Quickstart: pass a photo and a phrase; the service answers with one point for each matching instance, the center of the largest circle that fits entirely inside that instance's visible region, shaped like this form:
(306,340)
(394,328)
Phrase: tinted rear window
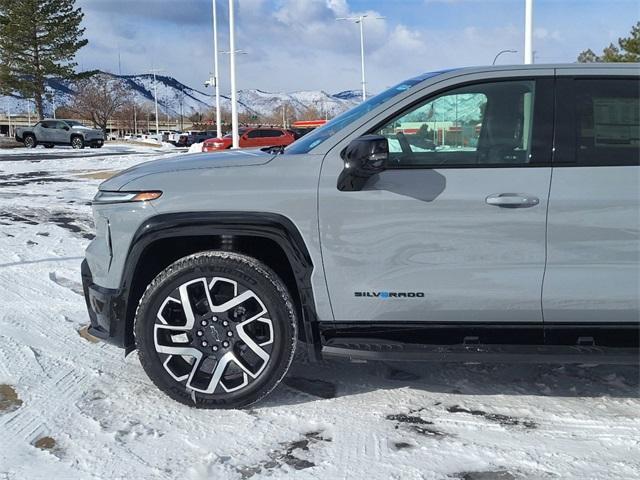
(607,121)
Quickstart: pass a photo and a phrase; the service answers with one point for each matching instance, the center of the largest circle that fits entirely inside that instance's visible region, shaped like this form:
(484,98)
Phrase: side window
(607,125)
(254,134)
(483,124)
(273,133)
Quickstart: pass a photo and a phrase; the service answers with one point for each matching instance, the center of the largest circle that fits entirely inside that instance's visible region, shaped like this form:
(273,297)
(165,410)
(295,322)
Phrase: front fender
(274,227)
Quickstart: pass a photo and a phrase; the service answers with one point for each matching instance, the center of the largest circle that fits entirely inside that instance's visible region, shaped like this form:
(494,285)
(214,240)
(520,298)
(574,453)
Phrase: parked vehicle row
(50,132)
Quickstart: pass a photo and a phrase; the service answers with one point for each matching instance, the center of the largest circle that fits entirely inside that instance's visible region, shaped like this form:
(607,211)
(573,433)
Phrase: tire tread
(204,259)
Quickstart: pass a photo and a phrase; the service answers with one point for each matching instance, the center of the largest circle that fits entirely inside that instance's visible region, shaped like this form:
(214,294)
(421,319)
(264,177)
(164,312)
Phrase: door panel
(59,134)
(43,132)
(594,237)
(252,138)
(426,243)
(431,232)
(593,264)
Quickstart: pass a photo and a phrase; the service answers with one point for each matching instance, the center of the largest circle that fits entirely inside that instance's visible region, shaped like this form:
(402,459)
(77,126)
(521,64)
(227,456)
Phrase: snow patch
(196,148)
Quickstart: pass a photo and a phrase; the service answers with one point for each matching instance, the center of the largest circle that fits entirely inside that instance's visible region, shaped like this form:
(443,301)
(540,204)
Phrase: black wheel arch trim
(275,227)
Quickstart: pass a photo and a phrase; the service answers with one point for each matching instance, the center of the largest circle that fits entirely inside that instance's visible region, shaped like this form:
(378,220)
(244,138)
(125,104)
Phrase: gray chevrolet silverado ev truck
(477,214)
(60,132)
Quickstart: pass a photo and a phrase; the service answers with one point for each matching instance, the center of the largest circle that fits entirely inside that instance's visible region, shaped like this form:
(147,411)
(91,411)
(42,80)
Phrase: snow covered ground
(74,409)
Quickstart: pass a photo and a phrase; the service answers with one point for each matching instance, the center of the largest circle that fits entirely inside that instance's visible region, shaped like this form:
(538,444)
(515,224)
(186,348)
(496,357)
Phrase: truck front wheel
(216,330)
(30,141)
(77,143)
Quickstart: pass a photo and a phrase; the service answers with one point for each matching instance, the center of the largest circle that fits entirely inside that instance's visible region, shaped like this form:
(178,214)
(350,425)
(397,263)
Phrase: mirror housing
(363,157)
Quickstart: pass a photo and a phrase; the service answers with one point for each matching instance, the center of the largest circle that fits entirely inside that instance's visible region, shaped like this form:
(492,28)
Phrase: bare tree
(131,116)
(311,113)
(99,98)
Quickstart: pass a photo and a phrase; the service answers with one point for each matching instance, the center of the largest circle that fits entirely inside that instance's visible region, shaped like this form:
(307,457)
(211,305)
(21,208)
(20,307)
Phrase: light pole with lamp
(528,31)
(215,77)
(232,74)
(155,96)
(360,20)
(500,53)
(9,118)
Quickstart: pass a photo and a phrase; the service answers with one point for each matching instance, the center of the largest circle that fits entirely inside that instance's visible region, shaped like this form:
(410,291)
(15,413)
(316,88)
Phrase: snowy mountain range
(172,95)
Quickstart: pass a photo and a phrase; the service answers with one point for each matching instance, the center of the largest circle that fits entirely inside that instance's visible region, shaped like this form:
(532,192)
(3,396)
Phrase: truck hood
(197,161)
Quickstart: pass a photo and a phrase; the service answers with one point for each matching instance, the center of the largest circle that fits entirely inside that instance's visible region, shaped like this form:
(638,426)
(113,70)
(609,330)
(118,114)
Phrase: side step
(371,350)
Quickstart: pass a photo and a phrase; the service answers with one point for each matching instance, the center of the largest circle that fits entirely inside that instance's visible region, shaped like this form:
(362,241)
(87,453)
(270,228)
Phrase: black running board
(390,351)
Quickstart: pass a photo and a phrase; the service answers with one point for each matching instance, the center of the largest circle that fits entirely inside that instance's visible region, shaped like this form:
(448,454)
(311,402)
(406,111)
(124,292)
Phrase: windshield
(315,138)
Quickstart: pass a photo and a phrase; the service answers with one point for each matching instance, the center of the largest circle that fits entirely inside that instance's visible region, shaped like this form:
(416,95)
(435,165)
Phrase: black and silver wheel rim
(76,143)
(29,142)
(213,335)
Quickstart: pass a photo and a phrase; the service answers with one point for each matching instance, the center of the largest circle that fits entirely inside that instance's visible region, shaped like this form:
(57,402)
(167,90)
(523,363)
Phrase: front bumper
(107,310)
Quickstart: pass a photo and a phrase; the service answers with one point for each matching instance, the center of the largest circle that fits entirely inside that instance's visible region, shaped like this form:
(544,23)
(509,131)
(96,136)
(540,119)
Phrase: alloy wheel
(213,335)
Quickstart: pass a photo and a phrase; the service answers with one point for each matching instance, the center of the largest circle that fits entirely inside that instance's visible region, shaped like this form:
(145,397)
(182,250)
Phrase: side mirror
(66,128)
(363,158)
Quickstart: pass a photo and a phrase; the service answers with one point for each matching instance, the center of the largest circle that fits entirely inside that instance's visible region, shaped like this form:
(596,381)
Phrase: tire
(77,143)
(30,141)
(229,358)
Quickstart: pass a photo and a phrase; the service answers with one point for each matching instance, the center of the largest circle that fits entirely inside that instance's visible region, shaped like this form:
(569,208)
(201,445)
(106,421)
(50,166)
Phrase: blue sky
(298,45)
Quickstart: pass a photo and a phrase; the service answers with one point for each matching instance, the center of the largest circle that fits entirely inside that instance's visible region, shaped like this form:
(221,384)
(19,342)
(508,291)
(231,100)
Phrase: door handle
(512,200)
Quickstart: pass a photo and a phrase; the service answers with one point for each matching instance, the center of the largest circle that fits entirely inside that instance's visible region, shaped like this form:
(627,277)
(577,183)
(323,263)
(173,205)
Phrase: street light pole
(528,32)
(181,109)
(364,80)
(360,20)
(215,70)
(232,68)
(9,118)
(500,53)
(155,97)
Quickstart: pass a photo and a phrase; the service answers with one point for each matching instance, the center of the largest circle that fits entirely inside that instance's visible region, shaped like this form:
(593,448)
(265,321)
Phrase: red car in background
(252,137)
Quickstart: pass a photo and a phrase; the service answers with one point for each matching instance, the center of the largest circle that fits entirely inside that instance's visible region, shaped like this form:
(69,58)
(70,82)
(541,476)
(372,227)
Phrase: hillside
(172,93)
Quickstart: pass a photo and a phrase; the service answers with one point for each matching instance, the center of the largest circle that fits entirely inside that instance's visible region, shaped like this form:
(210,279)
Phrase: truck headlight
(123,197)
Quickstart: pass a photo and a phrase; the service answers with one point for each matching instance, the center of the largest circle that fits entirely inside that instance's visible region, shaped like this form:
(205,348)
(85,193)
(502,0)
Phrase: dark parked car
(187,140)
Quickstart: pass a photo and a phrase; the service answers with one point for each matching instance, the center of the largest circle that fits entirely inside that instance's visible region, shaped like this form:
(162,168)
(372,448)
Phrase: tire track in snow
(27,423)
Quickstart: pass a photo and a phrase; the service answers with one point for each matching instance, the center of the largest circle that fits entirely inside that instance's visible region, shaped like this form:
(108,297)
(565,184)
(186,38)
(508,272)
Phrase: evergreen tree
(627,50)
(38,41)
